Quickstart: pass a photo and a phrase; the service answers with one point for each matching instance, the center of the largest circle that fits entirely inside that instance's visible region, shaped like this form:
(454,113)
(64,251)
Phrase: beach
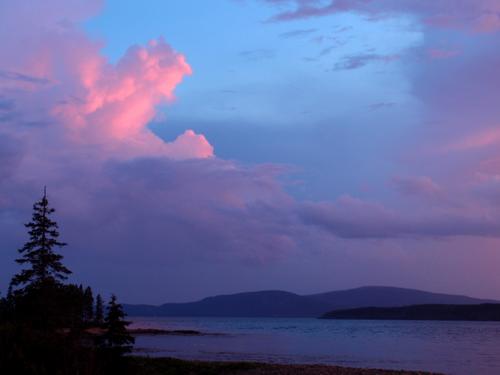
(167,366)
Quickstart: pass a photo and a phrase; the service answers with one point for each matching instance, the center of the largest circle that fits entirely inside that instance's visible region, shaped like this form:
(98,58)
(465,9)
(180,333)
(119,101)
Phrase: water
(462,348)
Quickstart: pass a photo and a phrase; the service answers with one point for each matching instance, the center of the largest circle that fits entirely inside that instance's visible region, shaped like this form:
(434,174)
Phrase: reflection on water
(468,348)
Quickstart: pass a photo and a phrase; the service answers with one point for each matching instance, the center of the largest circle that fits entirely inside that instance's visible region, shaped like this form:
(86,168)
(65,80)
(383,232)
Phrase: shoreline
(166,332)
(167,365)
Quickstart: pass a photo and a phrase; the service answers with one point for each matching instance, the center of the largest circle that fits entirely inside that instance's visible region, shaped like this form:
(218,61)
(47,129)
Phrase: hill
(252,304)
(380,296)
(285,304)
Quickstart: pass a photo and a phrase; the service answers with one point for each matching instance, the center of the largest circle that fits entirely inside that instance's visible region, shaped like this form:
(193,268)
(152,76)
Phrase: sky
(198,148)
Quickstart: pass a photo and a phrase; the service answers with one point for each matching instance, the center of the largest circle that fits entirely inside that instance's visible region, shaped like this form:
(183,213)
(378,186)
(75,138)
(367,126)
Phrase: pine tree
(88,305)
(8,301)
(3,308)
(99,310)
(117,339)
(9,292)
(45,266)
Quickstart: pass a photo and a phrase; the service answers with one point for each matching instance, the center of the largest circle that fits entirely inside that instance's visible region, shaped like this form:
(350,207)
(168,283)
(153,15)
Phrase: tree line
(50,326)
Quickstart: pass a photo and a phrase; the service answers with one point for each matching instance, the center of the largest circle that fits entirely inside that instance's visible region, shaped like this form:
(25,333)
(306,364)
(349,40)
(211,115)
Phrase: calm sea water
(464,348)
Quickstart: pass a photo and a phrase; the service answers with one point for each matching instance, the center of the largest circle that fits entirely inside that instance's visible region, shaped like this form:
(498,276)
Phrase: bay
(461,348)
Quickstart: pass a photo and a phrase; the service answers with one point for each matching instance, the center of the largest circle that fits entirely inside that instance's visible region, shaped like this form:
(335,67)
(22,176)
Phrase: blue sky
(269,92)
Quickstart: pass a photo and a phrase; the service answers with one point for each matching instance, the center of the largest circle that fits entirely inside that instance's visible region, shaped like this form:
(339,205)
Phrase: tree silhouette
(88,305)
(99,310)
(116,338)
(44,321)
(45,265)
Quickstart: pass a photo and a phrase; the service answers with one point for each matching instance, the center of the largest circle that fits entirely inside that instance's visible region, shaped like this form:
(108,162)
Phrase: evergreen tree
(99,311)
(116,338)
(3,308)
(45,266)
(88,305)
(9,292)
(8,305)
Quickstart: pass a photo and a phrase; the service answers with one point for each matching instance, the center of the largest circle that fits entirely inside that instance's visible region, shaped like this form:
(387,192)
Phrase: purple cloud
(354,218)
(473,15)
(420,186)
(359,61)
(297,33)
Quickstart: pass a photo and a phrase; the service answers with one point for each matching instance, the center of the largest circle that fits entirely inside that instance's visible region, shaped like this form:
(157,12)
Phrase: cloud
(14,76)
(477,140)
(481,16)
(190,145)
(360,61)
(200,208)
(351,218)
(129,200)
(420,186)
(84,132)
(326,51)
(85,101)
(297,33)
(73,121)
(10,158)
(117,103)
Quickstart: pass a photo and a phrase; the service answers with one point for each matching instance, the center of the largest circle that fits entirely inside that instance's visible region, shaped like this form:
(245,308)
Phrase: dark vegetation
(482,312)
(49,326)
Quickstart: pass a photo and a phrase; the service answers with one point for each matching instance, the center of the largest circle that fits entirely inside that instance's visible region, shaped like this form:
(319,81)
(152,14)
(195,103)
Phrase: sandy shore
(164,366)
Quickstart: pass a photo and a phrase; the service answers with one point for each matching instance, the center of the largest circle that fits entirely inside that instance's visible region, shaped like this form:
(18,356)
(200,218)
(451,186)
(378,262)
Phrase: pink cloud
(79,124)
(84,100)
(488,22)
(190,145)
(477,140)
(120,101)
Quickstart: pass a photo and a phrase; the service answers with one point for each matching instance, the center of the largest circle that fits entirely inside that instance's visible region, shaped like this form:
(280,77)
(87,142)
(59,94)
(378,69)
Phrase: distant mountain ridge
(286,304)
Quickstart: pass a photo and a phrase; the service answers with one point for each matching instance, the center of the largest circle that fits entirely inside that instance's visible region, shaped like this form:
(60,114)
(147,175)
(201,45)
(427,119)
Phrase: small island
(480,313)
